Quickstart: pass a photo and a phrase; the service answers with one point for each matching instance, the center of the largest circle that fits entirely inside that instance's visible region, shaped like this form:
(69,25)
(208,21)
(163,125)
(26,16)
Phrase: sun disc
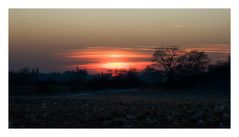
(116,65)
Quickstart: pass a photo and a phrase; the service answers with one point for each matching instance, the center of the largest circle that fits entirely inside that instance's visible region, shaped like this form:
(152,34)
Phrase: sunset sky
(100,39)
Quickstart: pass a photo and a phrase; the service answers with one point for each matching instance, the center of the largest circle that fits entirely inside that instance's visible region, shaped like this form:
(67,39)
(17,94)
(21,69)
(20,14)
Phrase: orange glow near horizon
(57,40)
(104,54)
(97,60)
(116,65)
(115,55)
(100,60)
(104,66)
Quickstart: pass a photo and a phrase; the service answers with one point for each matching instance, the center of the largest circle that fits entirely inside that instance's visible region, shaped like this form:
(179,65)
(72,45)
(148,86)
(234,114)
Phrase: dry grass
(118,112)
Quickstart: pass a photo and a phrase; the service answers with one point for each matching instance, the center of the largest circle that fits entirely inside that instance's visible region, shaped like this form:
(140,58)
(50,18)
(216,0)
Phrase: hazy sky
(42,38)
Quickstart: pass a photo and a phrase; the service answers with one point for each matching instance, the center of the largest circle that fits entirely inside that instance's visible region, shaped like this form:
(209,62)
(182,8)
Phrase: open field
(121,109)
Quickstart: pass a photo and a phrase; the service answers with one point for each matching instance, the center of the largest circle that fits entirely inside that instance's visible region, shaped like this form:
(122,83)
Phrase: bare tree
(193,63)
(173,61)
(167,59)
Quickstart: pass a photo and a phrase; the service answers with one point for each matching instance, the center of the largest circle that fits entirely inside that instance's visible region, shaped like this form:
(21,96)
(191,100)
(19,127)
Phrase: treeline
(124,78)
(173,68)
(80,78)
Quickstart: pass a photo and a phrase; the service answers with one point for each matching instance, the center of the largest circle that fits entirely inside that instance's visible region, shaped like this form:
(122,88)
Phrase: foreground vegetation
(121,110)
(180,90)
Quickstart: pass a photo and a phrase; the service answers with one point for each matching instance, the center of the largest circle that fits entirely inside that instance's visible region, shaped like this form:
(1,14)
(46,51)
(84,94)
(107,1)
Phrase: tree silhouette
(177,63)
(192,63)
(167,59)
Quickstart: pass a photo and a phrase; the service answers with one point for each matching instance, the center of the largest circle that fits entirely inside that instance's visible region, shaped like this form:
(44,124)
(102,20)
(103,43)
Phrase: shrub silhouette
(173,68)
